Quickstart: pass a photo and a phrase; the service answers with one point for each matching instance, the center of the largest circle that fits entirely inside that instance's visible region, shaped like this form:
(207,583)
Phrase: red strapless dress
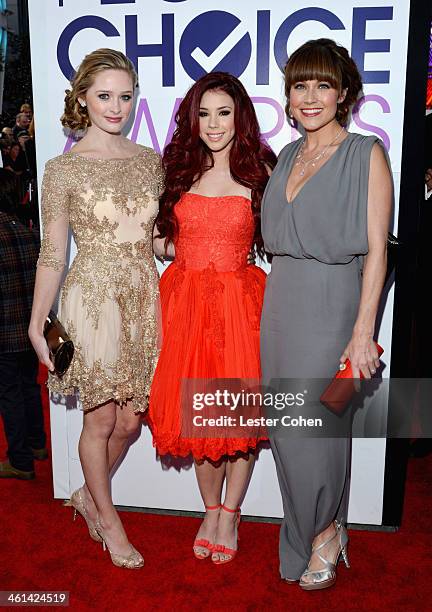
(211,303)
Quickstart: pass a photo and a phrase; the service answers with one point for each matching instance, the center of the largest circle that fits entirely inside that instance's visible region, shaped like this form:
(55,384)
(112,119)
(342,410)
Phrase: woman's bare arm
(159,247)
(361,349)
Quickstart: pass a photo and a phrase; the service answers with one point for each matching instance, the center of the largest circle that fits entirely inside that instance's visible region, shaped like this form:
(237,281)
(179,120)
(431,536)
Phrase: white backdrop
(173,42)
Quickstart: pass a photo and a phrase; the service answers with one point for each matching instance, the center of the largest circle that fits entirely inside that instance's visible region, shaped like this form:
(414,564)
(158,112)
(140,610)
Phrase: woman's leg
(312,474)
(210,477)
(238,473)
(331,550)
(126,424)
(98,426)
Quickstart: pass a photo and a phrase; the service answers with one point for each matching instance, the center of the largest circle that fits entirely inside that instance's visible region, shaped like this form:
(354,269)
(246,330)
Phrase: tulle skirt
(211,325)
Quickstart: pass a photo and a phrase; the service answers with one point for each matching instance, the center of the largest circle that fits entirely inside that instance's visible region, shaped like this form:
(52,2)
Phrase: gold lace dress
(109,300)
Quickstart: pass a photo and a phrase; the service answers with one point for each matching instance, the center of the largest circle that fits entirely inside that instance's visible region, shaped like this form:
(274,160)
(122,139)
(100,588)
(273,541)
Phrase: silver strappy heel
(326,577)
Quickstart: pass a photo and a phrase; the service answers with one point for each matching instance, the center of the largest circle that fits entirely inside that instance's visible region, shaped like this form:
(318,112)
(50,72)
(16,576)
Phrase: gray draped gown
(310,307)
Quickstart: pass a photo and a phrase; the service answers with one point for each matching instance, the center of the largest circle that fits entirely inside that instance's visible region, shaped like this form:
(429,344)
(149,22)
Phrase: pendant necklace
(305,163)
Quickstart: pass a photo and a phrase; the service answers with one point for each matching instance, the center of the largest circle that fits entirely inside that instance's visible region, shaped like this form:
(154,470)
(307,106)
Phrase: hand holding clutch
(60,345)
(339,392)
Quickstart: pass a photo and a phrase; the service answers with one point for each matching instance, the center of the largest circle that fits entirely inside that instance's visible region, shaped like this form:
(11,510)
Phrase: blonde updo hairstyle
(324,60)
(75,116)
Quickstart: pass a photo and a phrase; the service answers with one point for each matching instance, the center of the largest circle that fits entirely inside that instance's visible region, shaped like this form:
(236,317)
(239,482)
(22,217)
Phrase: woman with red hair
(216,169)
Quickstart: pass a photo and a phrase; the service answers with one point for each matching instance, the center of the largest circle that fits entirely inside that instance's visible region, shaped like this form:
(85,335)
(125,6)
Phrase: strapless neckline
(224,197)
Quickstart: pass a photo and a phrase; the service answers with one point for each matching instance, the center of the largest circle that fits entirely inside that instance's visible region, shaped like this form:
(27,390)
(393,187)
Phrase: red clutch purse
(338,394)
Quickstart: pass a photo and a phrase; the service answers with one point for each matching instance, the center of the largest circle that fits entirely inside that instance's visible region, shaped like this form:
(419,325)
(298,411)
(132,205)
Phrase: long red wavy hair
(186,158)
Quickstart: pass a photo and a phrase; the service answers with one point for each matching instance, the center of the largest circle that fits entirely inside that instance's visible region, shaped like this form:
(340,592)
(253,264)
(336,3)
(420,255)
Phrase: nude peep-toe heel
(132,561)
(78,504)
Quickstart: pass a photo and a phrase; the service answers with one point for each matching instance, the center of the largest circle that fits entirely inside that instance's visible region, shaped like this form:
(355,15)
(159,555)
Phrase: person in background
(8,134)
(20,399)
(6,140)
(32,133)
(4,149)
(22,137)
(22,124)
(27,142)
(15,160)
(32,191)
(27,110)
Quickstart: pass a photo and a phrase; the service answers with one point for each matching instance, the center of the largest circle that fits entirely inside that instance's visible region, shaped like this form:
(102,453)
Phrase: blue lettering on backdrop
(213,41)
(263,48)
(307,14)
(361,45)
(75,26)
(165,49)
(217,40)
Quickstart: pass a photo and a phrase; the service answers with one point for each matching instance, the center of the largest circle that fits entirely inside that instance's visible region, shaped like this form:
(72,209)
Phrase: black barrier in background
(403,355)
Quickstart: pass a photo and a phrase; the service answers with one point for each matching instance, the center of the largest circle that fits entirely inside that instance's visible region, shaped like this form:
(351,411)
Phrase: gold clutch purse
(60,345)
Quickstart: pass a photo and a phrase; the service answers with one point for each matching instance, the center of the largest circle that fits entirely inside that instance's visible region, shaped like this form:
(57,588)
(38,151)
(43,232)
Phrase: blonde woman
(106,189)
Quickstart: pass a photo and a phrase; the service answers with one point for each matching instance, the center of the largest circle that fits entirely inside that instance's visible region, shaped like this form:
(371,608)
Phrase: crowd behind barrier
(18,156)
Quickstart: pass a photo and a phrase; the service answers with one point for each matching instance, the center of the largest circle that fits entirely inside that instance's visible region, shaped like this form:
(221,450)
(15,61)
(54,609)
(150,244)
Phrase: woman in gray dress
(325,217)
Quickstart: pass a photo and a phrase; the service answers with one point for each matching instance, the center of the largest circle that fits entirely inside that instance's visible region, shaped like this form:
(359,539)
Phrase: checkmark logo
(216,40)
(209,61)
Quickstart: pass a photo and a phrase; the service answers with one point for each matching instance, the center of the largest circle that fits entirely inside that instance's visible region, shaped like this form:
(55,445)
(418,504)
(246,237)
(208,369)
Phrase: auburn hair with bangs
(324,60)
(186,158)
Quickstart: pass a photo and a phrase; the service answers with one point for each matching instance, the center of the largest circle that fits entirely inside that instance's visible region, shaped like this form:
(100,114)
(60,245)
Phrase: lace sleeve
(55,217)
(160,176)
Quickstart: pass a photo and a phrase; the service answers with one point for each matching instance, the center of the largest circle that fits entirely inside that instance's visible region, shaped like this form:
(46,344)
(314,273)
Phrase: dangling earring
(290,115)
(83,104)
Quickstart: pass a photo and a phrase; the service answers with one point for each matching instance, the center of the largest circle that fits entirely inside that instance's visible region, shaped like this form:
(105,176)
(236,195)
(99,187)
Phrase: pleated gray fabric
(310,306)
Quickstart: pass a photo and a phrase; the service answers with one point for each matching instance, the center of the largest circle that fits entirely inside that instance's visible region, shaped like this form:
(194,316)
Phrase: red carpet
(42,549)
